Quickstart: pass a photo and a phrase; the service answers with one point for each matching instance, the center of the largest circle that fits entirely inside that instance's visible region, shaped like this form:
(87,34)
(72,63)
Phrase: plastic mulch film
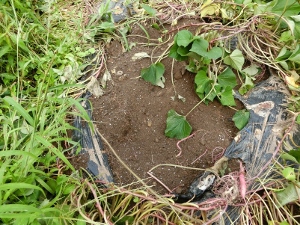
(257,144)
(89,140)
(91,145)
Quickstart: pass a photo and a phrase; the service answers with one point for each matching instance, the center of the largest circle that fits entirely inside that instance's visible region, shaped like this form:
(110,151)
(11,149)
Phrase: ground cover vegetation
(43,50)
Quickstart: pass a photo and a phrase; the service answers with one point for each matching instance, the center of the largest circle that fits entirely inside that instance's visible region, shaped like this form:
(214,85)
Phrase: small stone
(149,123)
(202,141)
(121,78)
(177,75)
(156,140)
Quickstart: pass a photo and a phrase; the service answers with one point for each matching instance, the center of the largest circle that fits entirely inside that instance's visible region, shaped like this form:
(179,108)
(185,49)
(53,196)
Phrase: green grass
(43,45)
(37,44)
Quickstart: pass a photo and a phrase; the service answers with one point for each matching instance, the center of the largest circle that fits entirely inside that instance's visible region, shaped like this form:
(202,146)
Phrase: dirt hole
(132,117)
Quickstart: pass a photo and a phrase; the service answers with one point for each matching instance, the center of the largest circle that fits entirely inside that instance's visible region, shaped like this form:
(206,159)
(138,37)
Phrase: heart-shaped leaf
(227,78)
(184,38)
(226,97)
(289,173)
(289,194)
(200,46)
(248,85)
(154,74)
(251,70)
(174,53)
(177,126)
(235,59)
(203,83)
(241,118)
(214,53)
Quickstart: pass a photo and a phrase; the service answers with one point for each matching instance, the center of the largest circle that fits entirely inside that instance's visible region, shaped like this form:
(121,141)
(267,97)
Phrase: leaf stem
(163,54)
(172,77)
(201,100)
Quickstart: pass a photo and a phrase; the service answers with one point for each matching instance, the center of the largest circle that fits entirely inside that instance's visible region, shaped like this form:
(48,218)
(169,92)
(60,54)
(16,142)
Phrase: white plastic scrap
(94,87)
(106,77)
(140,55)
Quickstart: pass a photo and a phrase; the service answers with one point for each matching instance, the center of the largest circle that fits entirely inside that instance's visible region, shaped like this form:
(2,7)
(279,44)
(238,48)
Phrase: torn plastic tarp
(119,9)
(91,144)
(257,143)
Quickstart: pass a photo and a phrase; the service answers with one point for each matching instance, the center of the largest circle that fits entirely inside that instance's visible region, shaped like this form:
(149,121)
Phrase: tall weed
(41,59)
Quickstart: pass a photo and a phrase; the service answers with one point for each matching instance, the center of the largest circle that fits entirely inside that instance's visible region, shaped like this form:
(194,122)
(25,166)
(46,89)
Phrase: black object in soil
(91,145)
(257,143)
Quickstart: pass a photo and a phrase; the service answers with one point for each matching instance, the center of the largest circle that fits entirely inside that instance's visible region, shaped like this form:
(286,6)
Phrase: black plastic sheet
(91,145)
(257,144)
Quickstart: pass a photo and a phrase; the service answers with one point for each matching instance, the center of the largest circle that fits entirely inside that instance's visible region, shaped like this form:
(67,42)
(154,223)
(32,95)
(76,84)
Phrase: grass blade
(53,149)
(19,109)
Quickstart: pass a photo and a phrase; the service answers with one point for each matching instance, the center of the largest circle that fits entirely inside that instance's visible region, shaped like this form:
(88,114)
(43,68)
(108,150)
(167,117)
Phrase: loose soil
(132,114)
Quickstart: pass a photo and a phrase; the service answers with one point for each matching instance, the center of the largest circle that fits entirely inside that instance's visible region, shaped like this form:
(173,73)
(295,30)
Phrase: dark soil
(132,114)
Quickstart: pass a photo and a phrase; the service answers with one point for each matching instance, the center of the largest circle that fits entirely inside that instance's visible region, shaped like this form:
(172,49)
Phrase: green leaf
(107,27)
(17,208)
(203,83)
(289,173)
(19,109)
(200,46)
(283,54)
(289,194)
(284,223)
(68,189)
(3,50)
(149,9)
(298,119)
(227,78)
(211,94)
(235,59)
(154,74)
(226,97)
(155,26)
(53,149)
(214,53)
(295,57)
(286,36)
(251,70)
(293,155)
(284,65)
(174,54)
(19,186)
(177,126)
(184,38)
(241,118)
(136,199)
(285,7)
(18,41)
(248,85)
(183,51)
(287,156)
(192,67)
